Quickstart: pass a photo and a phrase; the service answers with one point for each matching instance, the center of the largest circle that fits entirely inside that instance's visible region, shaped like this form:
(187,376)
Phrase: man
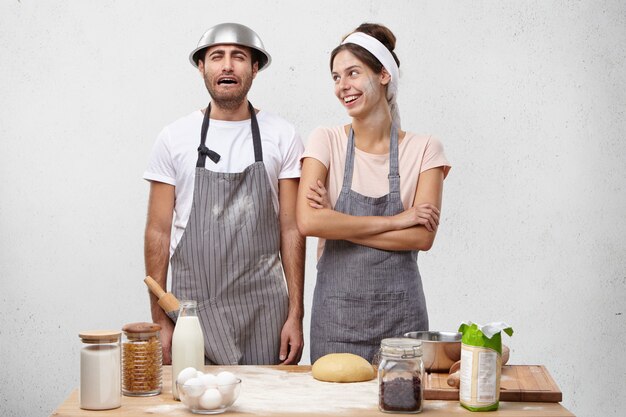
(233,212)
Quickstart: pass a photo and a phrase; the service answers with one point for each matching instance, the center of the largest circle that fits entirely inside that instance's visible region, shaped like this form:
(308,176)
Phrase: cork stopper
(141,327)
(100,336)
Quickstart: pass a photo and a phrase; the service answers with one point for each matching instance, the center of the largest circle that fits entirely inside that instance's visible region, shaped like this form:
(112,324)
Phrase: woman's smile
(350,100)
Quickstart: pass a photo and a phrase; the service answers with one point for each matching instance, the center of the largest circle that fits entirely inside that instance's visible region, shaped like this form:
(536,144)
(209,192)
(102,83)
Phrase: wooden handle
(169,303)
(454,379)
(455,367)
(154,287)
(506,353)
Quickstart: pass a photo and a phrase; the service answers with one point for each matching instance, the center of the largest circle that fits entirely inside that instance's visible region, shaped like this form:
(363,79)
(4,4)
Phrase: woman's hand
(424,214)
(318,196)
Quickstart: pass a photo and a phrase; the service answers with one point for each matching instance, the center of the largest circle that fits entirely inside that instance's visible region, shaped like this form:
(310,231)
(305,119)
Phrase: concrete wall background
(528,97)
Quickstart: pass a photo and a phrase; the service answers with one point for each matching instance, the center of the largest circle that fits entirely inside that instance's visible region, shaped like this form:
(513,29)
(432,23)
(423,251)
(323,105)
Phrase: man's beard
(232,99)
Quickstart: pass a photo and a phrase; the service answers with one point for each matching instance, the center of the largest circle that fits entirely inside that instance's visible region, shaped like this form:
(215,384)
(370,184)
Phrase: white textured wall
(528,98)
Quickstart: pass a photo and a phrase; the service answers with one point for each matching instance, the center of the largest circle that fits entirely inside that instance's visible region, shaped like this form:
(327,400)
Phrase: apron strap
(256,135)
(394,162)
(394,165)
(349,167)
(203,151)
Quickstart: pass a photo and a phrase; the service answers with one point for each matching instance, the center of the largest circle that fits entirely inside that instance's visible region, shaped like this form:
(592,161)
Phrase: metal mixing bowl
(439,349)
(231,33)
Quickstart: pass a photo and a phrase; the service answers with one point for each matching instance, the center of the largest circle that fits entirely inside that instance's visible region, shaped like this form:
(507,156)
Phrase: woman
(372,194)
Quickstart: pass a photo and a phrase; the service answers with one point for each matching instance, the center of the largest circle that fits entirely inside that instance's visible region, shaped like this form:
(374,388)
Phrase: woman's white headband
(380,52)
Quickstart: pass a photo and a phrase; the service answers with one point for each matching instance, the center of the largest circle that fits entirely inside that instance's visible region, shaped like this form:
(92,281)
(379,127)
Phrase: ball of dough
(342,367)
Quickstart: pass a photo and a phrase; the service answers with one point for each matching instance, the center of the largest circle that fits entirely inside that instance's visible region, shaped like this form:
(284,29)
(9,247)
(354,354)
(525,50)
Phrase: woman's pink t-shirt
(416,154)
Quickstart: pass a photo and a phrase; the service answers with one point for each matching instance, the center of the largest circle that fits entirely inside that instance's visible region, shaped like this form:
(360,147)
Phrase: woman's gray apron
(363,295)
(228,260)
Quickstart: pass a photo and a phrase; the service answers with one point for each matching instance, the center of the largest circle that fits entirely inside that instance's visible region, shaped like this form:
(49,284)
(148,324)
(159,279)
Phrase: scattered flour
(437,404)
(269,390)
(165,408)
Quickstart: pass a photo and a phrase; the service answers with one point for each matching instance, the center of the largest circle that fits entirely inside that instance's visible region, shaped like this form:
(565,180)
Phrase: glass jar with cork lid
(142,361)
(400,376)
(100,370)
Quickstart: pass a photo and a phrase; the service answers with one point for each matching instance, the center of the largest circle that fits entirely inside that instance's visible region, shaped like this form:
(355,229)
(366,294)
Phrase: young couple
(233,192)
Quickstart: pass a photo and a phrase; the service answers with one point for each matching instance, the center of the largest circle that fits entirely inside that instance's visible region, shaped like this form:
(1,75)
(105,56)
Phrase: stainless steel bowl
(439,349)
(233,34)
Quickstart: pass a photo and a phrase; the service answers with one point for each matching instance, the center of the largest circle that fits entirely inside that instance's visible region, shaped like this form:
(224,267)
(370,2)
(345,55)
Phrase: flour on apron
(362,294)
(228,260)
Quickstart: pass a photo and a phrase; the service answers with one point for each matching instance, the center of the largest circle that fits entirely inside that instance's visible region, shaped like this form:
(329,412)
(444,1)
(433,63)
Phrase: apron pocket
(365,317)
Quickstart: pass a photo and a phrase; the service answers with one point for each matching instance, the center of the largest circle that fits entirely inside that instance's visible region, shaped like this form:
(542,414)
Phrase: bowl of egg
(206,393)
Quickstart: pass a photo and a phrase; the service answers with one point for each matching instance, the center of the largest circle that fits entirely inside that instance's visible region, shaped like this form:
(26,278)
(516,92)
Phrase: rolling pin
(166,300)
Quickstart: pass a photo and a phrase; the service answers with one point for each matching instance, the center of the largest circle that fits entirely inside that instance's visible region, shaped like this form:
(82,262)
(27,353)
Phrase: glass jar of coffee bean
(400,376)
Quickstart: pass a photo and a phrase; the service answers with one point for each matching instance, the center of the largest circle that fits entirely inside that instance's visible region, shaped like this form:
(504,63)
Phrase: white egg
(211,399)
(193,387)
(186,374)
(228,396)
(226,384)
(226,378)
(191,402)
(209,380)
(226,390)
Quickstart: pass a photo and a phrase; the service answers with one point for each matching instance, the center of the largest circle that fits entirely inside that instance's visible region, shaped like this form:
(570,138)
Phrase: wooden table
(291,390)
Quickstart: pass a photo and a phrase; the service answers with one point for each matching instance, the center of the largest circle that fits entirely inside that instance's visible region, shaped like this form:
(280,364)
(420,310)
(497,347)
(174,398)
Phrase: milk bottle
(187,342)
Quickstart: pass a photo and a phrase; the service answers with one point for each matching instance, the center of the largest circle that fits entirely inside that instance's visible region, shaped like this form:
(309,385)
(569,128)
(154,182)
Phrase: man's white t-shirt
(175,153)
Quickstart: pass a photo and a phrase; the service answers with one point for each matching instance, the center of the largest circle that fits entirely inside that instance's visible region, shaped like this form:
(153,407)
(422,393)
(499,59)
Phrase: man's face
(228,73)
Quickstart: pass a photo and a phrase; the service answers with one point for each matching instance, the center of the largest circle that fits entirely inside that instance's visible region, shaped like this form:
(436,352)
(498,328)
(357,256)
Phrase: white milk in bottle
(187,342)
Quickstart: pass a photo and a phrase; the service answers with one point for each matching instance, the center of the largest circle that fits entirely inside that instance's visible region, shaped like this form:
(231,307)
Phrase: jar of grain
(100,370)
(141,360)
(400,376)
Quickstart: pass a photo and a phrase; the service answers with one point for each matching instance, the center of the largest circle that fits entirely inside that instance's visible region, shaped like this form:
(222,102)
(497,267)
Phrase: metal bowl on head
(439,349)
(235,34)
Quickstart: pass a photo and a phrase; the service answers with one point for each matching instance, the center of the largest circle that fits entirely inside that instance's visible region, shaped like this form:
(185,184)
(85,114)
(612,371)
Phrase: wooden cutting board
(527,383)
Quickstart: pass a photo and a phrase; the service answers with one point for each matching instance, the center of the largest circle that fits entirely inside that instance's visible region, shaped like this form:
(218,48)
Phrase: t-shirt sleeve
(291,167)
(160,165)
(318,146)
(434,156)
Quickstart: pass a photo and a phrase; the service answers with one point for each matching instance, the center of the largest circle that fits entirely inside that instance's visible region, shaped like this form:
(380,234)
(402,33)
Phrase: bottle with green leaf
(481,362)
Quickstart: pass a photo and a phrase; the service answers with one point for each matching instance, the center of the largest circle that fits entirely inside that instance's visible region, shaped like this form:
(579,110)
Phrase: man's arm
(292,252)
(157,253)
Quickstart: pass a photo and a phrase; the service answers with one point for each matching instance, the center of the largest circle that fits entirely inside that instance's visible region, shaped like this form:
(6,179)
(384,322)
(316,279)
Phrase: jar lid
(141,327)
(100,336)
(401,347)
